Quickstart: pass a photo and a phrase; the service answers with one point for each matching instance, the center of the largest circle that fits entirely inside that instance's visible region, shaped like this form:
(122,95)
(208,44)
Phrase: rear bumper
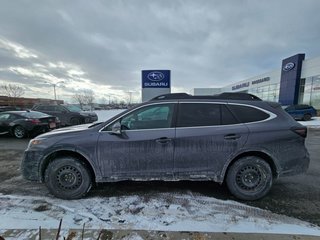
(91,119)
(296,166)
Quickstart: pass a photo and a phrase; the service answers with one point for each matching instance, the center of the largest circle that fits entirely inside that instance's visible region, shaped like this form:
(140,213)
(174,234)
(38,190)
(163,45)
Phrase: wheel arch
(259,154)
(66,153)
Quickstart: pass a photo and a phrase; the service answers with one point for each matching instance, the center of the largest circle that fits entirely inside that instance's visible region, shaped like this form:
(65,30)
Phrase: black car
(25,123)
(246,143)
(68,114)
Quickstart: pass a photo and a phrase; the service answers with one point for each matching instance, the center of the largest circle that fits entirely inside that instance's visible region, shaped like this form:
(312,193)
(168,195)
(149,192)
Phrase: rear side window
(204,114)
(302,107)
(247,114)
(41,108)
(33,114)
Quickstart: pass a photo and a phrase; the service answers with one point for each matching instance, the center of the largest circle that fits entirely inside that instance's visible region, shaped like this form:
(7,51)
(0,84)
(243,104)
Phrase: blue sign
(155,78)
(290,79)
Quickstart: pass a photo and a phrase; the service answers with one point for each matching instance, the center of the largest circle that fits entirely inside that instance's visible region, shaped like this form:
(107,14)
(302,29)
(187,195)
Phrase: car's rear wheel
(306,117)
(68,178)
(19,132)
(75,121)
(249,178)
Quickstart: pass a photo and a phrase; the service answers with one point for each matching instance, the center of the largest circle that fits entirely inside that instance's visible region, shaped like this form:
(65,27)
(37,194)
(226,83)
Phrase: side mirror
(116,129)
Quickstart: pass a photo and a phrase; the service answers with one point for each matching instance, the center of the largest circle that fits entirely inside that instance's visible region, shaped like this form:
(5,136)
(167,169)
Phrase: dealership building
(297,82)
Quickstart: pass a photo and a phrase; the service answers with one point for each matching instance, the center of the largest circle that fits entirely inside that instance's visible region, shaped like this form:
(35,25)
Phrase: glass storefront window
(309,92)
(267,93)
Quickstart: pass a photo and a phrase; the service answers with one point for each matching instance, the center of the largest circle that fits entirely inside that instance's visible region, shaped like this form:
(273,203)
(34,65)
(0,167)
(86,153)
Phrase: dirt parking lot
(297,196)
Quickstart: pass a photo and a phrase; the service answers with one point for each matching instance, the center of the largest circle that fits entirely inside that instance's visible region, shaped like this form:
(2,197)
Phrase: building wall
(206,91)
(267,85)
(309,92)
(26,102)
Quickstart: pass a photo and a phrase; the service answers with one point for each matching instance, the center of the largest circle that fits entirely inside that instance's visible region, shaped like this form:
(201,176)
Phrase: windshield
(73,108)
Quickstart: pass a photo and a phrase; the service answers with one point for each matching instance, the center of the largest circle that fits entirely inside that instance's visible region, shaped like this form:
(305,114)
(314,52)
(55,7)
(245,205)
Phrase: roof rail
(172,96)
(224,95)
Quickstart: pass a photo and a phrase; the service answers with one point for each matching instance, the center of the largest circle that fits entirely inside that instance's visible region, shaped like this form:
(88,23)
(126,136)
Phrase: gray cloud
(204,43)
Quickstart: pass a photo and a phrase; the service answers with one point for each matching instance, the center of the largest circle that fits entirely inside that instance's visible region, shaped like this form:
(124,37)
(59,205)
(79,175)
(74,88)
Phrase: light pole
(130,96)
(54,88)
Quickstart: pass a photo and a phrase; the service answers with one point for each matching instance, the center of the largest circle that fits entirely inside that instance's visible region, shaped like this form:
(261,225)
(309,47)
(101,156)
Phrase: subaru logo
(289,66)
(155,76)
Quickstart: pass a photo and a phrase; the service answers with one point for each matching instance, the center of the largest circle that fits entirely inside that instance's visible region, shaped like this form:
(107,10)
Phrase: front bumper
(30,165)
(90,119)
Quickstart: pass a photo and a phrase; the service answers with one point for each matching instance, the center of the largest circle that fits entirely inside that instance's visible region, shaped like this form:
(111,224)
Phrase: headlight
(34,142)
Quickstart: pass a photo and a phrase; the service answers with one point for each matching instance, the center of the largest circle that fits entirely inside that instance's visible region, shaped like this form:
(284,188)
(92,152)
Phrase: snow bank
(162,212)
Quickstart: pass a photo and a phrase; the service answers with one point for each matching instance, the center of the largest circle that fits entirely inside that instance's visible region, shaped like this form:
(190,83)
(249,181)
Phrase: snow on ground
(314,122)
(104,115)
(162,212)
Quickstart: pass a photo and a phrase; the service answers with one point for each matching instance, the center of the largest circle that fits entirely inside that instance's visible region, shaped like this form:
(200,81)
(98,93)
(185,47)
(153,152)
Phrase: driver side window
(148,117)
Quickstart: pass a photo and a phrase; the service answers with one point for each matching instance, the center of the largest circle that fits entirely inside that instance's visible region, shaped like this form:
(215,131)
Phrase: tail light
(301,131)
(33,120)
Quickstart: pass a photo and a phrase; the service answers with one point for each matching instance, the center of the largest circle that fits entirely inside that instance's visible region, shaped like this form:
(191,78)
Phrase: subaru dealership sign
(290,79)
(155,83)
(155,78)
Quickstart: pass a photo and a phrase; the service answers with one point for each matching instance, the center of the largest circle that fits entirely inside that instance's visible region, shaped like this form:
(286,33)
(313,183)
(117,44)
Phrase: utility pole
(130,96)
(54,90)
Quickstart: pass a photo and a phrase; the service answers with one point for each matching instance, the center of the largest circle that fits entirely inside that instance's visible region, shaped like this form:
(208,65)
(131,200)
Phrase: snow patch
(161,212)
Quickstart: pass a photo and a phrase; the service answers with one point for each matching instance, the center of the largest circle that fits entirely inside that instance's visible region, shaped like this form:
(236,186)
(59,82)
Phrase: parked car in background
(8,108)
(301,112)
(68,114)
(25,123)
(237,139)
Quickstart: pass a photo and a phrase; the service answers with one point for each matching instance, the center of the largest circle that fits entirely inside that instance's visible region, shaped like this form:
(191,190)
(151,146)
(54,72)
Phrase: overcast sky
(104,45)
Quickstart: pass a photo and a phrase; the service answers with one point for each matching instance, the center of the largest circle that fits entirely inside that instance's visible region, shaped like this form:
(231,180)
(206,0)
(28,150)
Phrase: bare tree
(89,97)
(12,91)
(85,97)
(79,98)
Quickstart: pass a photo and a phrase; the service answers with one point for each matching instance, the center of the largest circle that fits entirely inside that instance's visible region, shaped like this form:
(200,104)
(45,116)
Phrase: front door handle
(163,140)
(231,136)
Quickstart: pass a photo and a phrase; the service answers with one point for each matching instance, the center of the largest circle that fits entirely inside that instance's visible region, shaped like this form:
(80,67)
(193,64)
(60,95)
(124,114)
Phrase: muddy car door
(207,136)
(139,145)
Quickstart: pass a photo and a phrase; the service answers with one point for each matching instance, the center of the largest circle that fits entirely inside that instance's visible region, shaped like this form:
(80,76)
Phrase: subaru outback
(232,138)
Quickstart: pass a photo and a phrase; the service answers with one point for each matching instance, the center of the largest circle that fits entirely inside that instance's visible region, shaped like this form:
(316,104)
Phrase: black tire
(19,132)
(75,121)
(306,117)
(249,178)
(68,178)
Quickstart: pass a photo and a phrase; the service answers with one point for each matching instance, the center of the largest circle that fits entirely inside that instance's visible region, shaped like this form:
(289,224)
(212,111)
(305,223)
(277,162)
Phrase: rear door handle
(231,136)
(163,140)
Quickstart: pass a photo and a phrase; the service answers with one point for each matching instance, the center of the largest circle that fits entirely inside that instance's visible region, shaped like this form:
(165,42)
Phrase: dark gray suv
(235,138)
(67,114)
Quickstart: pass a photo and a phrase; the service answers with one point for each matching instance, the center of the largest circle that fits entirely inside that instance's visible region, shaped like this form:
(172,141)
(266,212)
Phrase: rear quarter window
(247,114)
(204,114)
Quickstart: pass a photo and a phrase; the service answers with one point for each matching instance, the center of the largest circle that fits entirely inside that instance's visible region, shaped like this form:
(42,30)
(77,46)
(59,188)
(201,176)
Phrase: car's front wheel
(249,178)
(68,178)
